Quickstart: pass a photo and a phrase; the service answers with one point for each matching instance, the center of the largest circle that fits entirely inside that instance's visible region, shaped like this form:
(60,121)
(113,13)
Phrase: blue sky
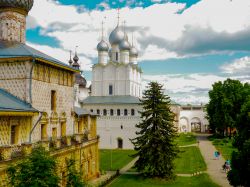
(187,45)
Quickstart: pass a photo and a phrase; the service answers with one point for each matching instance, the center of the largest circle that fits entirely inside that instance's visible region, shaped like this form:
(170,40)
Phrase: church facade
(37,101)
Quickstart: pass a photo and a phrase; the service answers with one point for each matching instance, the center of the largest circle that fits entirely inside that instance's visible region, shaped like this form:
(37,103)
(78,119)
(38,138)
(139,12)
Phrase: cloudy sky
(187,45)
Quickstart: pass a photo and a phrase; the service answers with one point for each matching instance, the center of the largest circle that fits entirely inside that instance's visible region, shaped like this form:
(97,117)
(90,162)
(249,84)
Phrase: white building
(115,90)
(193,119)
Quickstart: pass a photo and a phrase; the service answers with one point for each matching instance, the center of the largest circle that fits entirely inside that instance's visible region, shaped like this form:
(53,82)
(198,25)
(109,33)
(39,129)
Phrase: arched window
(91,110)
(98,111)
(125,112)
(111,112)
(105,112)
(132,112)
(110,89)
(118,112)
(116,56)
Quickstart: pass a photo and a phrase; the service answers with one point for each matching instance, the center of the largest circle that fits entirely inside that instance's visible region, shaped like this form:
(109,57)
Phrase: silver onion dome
(102,46)
(25,5)
(116,36)
(133,51)
(124,45)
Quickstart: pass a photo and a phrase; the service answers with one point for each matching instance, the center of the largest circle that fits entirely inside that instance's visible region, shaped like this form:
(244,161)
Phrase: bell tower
(13,19)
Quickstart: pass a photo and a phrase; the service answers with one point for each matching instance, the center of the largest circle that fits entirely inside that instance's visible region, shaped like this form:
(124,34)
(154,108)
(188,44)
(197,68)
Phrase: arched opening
(105,112)
(111,112)
(195,124)
(118,112)
(132,112)
(125,112)
(120,143)
(183,124)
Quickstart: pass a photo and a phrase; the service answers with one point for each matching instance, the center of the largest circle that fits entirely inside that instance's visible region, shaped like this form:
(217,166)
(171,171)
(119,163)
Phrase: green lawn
(190,160)
(137,181)
(119,158)
(224,146)
(186,139)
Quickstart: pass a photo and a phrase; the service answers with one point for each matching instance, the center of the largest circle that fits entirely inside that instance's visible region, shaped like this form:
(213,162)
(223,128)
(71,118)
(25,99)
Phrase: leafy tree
(155,141)
(73,176)
(37,170)
(239,175)
(224,106)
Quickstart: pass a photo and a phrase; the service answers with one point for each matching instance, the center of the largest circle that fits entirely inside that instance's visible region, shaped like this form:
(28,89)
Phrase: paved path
(214,167)
(128,166)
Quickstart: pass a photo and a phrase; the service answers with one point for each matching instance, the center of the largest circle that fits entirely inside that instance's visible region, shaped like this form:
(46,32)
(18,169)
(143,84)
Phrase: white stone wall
(112,127)
(102,57)
(189,116)
(124,78)
(12,26)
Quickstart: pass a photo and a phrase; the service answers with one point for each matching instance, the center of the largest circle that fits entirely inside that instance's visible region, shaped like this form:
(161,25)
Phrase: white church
(115,91)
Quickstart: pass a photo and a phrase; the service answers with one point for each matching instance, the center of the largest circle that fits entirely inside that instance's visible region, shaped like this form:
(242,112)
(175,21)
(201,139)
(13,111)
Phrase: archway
(195,124)
(183,124)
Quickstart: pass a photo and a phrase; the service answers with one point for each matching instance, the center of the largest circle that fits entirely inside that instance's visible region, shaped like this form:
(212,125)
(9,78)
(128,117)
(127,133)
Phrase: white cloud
(191,88)
(159,20)
(62,55)
(238,66)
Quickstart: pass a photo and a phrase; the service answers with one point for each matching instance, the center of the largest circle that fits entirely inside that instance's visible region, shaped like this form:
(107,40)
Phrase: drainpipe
(33,128)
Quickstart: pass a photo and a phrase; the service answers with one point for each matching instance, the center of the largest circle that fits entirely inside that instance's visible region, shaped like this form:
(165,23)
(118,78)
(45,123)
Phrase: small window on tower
(125,112)
(110,89)
(116,56)
(98,111)
(104,112)
(111,112)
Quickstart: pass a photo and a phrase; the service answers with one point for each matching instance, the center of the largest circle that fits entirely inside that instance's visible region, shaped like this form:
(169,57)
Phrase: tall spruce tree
(155,136)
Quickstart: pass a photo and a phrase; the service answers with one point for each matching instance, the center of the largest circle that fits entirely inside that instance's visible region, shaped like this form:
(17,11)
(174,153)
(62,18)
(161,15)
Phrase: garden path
(214,167)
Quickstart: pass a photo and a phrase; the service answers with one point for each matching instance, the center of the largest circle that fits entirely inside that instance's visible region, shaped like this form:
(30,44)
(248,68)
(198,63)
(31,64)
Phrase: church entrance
(120,143)
(195,125)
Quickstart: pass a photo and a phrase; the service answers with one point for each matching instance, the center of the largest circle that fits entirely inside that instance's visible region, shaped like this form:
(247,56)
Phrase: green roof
(16,49)
(82,112)
(126,99)
(11,103)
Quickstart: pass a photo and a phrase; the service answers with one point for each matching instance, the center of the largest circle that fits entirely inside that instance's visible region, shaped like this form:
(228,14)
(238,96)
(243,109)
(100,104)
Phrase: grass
(190,160)
(223,145)
(186,139)
(137,181)
(120,158)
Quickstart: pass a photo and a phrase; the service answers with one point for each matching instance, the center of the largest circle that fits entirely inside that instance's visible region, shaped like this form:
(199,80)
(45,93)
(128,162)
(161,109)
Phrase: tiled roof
(126,99)
(9,102)
(16,49)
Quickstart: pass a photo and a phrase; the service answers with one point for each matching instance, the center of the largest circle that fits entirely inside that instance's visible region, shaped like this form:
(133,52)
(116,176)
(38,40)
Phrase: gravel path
(214,167)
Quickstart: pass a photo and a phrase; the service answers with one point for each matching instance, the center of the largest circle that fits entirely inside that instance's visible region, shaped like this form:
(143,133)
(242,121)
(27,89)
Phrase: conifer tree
(156,134)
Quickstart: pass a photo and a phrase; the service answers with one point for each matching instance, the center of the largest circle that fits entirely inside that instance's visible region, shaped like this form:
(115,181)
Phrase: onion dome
(70,61)
(124,45)
(23,5)
(102,46)
(80,80)
(116,36)
(133,52)
(75,63)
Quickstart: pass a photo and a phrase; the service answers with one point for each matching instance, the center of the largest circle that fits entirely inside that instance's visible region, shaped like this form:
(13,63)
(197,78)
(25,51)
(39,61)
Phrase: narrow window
(120,143)
(63,129)
(111,112)
(110,89)
(53,100)
(118,112)
(116,56)
(104,112)
(132,112)
(121,127)
(14,138)
(125,112)
(43,131)
(91,110)
(98,111)
(54,133)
